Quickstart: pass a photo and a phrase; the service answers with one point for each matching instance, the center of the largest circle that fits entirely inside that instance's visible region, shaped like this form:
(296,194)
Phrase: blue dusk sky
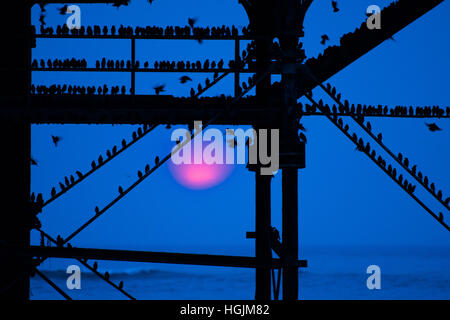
(344,198)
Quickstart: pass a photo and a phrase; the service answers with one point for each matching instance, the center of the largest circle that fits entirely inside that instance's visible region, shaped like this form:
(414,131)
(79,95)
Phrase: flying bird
(192,21)
(63,10)
(334,5)
(433,127)
(185,79)
(56,140)
(324,39)
(159,89)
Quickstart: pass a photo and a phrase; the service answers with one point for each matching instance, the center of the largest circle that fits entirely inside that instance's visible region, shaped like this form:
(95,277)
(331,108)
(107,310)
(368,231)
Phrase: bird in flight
(159,89)
(56,140)
(185,79)
(192,22)
(334,4)
(324,39)
(433,127)
(63,10)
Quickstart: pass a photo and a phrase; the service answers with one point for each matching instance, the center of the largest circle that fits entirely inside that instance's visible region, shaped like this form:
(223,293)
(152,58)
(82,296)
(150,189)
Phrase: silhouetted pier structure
(273,106)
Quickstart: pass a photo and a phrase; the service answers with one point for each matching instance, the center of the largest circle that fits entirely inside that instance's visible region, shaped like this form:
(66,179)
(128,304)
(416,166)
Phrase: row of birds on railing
(59,242)
(77,90)
(58,63)
(366,148)
(401,160)
(148,31)
(70,181)
(369,110)
(109,64)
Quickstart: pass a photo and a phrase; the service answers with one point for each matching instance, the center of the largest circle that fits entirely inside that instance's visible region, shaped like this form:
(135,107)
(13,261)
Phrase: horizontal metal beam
(145,256)
(138,109)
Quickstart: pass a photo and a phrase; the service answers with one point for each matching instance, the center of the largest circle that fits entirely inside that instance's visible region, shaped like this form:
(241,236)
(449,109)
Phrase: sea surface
(332,273)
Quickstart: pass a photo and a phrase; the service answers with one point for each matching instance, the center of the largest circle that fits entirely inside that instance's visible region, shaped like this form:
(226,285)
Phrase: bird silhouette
(42,19)
(97,210)
(121,282)
(157,160)
(185,79)
(147,168)
(56,140)
(433,127)
(334,5)
(380,137)
(232,143)
(441,217)
(159,89)
(324,39)
(301,127)
(66,181)
(275,234)
(63,187)
(33,162)
(95,266)
(120,190)
(107,275)
(192,21)
(63,10)
(139,174)
(302,137)
(79,174)
(53,192)
(59,241)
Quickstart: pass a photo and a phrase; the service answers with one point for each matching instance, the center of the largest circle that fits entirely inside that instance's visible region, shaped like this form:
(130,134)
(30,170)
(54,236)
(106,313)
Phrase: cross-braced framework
(274,106)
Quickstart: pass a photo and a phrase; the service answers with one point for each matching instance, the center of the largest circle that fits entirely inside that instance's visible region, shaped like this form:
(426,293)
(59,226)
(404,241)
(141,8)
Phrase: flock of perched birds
(391,171)
(369,110)
(69,181)
(223,31)
(77,90)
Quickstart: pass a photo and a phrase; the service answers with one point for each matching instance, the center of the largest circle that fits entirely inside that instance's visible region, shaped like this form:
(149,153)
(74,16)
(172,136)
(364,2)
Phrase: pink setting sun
(200,176)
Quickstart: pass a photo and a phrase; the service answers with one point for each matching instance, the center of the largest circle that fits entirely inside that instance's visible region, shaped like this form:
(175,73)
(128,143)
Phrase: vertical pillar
(15,160)
(237,55)
(290,233)
(263,251)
